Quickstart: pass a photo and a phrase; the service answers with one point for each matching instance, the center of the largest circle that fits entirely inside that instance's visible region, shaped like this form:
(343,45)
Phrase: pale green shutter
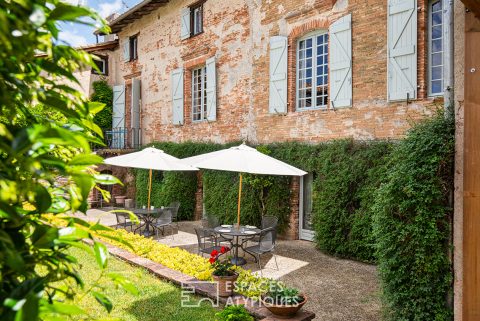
(211,89)
(402,49)
(341,62)
(177,96)
(185,23)
(135,124)
(126,50)
(118,115)
(278,75)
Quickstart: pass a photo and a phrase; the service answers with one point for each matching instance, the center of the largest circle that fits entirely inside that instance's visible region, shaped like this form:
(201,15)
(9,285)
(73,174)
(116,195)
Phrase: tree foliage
(45,161)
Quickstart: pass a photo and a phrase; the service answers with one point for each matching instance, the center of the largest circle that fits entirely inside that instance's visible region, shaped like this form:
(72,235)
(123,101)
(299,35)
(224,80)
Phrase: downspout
(448,60)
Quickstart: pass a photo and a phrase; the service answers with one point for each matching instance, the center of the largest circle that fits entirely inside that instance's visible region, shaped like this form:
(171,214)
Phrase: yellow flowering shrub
(174,258)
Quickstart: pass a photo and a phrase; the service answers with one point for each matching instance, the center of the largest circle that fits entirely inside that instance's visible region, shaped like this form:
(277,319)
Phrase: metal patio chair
(266,244)
(206,241)
(163,219)
(123,220)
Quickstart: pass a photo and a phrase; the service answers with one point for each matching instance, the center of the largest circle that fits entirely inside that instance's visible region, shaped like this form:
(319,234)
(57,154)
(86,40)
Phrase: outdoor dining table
(244,231)
(148,216)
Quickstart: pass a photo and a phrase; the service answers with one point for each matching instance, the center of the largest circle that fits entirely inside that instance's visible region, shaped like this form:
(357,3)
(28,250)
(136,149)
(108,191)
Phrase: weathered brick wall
(237,33)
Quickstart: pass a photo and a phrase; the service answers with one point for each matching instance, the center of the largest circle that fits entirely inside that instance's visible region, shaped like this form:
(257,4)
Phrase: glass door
(306,203)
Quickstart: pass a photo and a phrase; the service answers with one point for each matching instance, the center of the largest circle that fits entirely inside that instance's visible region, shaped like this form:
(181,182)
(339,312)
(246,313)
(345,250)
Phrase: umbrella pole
(149,187)
(239,199)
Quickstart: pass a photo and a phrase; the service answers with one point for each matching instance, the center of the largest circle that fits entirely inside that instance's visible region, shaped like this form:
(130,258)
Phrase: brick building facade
(237,95)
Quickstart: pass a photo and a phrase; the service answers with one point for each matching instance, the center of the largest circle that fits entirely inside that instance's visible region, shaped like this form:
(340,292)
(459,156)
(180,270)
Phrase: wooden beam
(471,179)
(473,5)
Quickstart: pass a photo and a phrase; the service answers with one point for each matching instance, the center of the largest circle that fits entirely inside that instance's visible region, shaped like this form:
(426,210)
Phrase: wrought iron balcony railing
(123,138)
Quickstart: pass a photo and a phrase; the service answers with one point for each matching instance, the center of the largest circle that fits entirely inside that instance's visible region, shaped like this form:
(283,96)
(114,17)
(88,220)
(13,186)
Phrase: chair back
(174,206)
(165,215)
(213,221)
(268,238)
(121,218)
(269,221)
(202,235)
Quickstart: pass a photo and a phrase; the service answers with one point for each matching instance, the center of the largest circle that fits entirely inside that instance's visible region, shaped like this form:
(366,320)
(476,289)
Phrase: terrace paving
(337,289)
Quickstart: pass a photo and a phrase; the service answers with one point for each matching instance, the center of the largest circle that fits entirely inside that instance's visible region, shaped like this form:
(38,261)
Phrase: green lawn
(157,300)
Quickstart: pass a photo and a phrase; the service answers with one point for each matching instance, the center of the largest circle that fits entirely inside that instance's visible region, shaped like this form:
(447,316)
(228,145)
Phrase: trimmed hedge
(412,226)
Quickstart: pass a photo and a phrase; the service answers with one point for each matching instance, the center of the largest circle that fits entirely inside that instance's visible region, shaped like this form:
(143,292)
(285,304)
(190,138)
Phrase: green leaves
(101,254)
(103,300)
(46,130)
(412,216)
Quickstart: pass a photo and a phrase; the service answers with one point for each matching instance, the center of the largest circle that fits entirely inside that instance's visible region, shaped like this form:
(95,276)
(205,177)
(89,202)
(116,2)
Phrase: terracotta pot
(225,284)
(120,200)
(284,311)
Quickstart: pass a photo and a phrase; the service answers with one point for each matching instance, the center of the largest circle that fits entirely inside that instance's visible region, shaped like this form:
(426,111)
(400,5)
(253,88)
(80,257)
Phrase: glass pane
(309,42)
(436,32)
(436,18)
(436,87)
(437,6)
(320,60)
(436,59)
(436,73)
(309,52)
(307,202)
(437,45)
(309,73)
(301,45)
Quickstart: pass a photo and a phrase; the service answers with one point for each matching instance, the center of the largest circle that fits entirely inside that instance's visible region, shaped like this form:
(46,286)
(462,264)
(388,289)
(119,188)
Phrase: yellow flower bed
(172,257)
(176,258)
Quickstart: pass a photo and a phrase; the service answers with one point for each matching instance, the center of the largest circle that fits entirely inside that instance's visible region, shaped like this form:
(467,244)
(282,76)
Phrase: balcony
(122,138)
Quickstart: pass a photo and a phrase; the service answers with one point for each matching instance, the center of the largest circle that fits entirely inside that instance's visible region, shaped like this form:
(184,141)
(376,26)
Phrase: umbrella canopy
(243,159)
(152,159)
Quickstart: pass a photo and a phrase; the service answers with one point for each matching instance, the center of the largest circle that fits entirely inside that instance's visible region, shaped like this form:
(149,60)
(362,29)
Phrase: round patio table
(147,215)
(242,232)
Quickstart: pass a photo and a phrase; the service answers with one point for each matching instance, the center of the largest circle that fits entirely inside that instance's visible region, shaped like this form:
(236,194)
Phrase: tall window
(312,71)
(199,94)
(133,47)
(436,48)
(196,19)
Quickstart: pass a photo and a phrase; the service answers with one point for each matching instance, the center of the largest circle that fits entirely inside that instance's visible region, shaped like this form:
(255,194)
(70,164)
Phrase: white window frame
(197,20)
(430,42)
(203,94)
(314,36)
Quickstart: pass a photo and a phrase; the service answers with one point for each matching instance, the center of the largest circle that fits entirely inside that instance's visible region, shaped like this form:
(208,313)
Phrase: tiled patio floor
(337,289)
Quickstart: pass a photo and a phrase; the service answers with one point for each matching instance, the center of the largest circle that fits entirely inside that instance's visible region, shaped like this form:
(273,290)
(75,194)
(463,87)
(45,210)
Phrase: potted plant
(223,272)
(234,313)
(283,301)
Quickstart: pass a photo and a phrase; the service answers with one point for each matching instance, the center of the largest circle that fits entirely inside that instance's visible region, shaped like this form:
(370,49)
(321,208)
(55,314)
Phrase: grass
(157,299)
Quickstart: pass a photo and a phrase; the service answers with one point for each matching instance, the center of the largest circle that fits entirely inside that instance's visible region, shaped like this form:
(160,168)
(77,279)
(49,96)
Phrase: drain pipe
(448,59)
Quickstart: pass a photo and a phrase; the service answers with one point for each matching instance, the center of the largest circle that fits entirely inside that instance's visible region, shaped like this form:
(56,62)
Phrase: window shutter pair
(340,68)
(178,94)
(402,49)
(118,113)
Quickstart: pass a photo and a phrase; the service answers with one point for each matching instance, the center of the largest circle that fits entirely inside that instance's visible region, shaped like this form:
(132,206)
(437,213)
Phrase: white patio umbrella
(152,159)
(243,159)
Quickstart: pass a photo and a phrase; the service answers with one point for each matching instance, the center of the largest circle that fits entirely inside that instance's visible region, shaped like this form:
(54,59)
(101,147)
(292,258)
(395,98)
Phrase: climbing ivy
(103,93)
(412,226)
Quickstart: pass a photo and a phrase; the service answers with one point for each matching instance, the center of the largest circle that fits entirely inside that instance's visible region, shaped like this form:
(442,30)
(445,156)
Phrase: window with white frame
(436,46)
(199,94)
(312,71)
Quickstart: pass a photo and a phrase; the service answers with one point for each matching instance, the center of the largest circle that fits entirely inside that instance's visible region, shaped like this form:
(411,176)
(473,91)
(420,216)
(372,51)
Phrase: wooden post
(471,179)
(149,187)
(239,199)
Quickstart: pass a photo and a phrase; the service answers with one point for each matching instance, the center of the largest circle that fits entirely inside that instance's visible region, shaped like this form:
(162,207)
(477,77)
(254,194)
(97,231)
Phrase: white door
(306,204)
